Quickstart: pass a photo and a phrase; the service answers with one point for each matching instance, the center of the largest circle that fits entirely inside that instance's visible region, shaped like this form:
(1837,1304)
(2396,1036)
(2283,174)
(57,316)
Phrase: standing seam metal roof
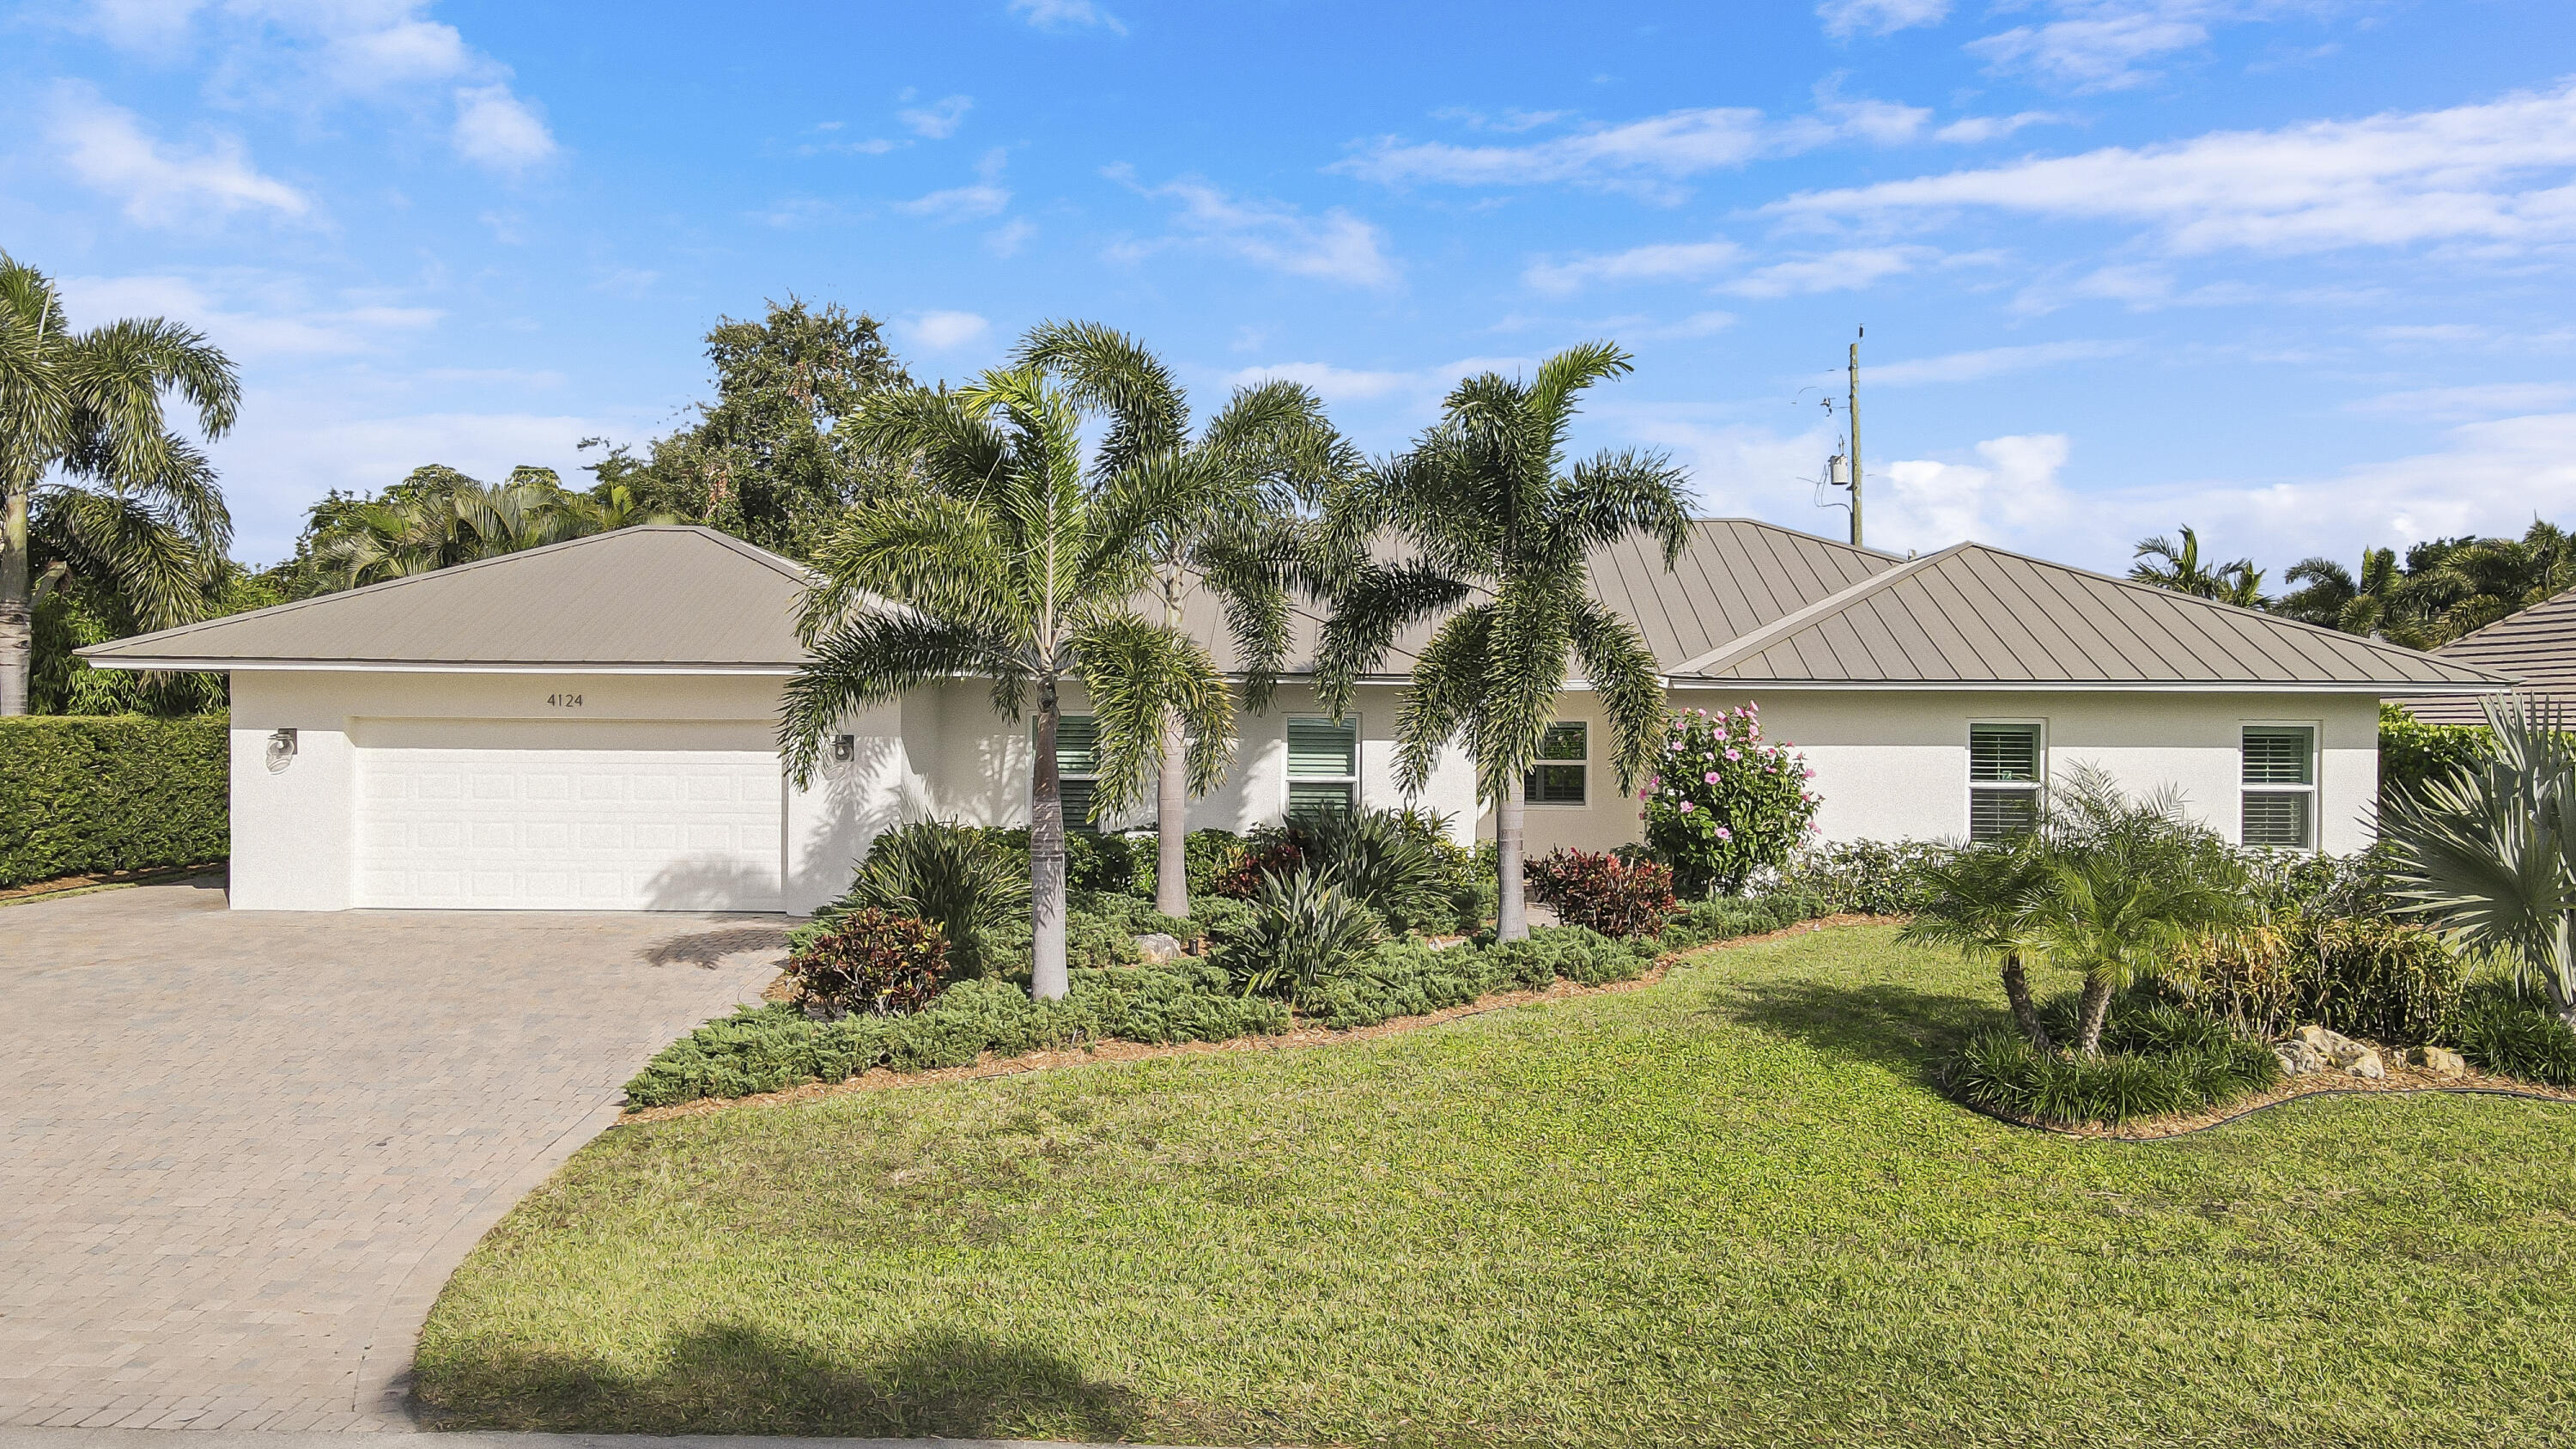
(2536,646)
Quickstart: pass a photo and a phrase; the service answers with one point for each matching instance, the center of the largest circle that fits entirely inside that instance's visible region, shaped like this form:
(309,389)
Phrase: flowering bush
(1721,803)
(1613,896)
(870,960)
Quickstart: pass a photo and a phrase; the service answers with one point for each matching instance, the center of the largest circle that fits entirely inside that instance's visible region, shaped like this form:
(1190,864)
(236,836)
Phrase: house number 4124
(564,701)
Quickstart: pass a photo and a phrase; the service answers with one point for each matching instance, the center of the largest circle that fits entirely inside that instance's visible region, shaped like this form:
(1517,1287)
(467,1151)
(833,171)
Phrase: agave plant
(2488,855)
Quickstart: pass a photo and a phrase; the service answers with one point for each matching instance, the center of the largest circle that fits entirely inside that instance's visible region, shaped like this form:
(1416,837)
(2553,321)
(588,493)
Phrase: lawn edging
(2165,1129)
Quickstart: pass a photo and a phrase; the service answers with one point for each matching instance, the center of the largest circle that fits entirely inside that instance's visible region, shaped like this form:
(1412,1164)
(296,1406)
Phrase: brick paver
(244,1149)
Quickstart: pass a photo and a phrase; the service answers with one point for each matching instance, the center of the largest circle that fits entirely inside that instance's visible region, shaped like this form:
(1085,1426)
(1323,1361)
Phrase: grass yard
(1725,1209)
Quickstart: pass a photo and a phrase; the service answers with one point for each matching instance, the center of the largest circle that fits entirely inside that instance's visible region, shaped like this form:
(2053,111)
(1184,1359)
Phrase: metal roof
(652,597)
(1746,603)
(2536,647)
(1972,616)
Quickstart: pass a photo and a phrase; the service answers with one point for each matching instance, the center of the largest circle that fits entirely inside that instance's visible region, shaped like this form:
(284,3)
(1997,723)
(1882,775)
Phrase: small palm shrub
(1603,892)
(2504,1031)
(1723,804)
(2158,1062)
(1386,860)
(953,876)
(1305,927)
(870,961)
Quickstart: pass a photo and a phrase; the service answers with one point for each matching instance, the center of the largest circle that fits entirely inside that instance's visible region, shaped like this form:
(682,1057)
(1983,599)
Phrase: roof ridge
(1787,624)
(2563,596)
(2279,621)
(1802,533)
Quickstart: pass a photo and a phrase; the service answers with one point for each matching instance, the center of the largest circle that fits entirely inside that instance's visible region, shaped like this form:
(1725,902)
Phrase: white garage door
(512,815)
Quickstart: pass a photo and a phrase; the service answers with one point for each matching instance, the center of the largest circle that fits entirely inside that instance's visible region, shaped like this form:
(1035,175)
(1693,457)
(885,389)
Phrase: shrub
(1613,896)
(1721,803)
(1387,861)
(2170,1064)
(869,960)
(2505,1032)
(2413,753)
(1305,926)
(1871,877)
(1728,917)
(82,794)
(956,877)
(2376,979)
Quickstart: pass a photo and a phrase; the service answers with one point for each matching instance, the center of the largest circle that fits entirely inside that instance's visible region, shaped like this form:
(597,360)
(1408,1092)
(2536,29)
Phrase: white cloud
(937,122)
(1335,247)
(1988,362)
(496,129)
(1879,17)
(2100,47)
(2495,174)
(1007,239)
(942,331)
(2010,496)
(1972,130)
(1066,15)
(1657,262)
(145,25)
(2477,400)
(406,51)
(280,329)
(1848,270)
(1420,388)
(106,147)
(961,203)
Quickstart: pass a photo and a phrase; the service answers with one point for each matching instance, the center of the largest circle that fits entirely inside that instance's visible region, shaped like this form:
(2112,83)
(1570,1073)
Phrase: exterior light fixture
(844,748)
(281,750)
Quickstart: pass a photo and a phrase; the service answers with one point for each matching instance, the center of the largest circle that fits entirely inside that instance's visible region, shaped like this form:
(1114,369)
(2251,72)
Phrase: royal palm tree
(2488,854)
(1269,452)
(1483,527)
(2177,566)
(89,465)
(1012,563)
(1991,903)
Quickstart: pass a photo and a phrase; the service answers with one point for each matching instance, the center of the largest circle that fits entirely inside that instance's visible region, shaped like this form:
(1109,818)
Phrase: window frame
(1289,779)
(1529,797)
(2036,788)
(2313,791)
(1090,777)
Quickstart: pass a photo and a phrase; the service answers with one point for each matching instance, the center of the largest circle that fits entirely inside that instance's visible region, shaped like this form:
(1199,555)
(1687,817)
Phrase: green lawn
(1725,1209)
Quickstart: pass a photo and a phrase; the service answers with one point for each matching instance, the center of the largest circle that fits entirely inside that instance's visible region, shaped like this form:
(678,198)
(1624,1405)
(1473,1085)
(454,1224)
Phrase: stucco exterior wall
(1893,765)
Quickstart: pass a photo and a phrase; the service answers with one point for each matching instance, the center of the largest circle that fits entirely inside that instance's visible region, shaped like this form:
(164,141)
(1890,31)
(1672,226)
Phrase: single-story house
(590,725)
(2536,647)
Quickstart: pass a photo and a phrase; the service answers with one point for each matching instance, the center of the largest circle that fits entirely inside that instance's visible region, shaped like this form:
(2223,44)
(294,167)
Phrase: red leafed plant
(882,962)
(1613,896)
(1273,852)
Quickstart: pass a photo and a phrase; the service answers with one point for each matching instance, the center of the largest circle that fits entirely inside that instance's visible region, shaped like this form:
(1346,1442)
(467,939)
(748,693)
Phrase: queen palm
(1482,526)
(1992,902)
(89,465)
(2168,564)
(1269,451)
(1008,561)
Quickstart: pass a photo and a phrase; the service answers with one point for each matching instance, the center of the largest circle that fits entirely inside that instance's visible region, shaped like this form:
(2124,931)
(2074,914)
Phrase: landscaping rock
(2441,1061)
(2366,1065)
(2298,1058)
(1159,947)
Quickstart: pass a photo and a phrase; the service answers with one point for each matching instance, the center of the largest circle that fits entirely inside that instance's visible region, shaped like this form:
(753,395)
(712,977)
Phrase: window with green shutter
(2280,787)
(1562,773)
(1323,766)
(2007,767)
(1077,766)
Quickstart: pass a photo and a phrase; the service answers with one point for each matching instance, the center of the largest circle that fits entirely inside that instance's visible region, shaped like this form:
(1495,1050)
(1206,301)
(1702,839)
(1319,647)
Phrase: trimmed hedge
(91,794)
(2412,752)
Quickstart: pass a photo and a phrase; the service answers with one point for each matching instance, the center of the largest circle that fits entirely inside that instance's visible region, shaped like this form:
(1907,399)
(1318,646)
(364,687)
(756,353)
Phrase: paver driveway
(244,1149)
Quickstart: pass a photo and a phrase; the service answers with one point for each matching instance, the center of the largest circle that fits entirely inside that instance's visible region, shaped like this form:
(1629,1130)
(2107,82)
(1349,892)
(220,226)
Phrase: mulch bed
(877,1079)
(62,885)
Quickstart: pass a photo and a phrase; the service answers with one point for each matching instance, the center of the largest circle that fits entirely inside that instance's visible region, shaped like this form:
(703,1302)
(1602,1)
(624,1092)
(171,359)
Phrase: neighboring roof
(1972,616)
(656,597)
(2537,647)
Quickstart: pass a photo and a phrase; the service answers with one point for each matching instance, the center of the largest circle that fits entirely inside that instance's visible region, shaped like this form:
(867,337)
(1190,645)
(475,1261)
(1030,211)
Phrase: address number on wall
(563,701)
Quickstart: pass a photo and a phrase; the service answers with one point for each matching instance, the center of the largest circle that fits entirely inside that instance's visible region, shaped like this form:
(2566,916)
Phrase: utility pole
(1852,404)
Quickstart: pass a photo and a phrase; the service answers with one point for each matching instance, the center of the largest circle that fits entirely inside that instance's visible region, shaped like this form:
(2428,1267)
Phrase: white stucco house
(591,725)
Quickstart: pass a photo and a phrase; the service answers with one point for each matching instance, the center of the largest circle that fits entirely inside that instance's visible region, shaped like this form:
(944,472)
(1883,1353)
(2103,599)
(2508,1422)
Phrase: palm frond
(1626,679)
(1138,674)
(872,659)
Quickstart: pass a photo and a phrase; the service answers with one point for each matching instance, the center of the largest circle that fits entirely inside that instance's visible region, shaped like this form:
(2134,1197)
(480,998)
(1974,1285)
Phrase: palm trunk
(1511,916)
(2090,1013)
(1172,822)
(1048,980)
(2017,991)
(17,611)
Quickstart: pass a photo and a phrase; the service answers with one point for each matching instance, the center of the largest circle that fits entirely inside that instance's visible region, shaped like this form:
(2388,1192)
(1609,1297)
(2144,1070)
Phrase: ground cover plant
(1728,1208)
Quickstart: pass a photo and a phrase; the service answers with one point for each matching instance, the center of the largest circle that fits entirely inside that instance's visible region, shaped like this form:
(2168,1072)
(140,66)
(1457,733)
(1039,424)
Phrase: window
(1564,755)
(2280,786)
(1077,765)
(1323,766)
(2003,780)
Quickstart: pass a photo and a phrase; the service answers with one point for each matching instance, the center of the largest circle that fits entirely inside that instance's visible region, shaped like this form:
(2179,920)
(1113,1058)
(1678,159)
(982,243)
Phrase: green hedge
(81,794)
(2412,752)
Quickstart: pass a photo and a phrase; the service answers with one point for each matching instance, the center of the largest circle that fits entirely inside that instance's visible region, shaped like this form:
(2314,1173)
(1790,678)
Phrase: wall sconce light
(281,750)
(844,748)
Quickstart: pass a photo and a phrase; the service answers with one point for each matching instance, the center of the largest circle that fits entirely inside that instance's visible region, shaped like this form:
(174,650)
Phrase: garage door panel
(485,816)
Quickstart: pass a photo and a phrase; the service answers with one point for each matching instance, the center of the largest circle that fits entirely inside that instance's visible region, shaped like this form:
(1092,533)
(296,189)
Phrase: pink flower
(1753,706)
(1677,745)
(1709,778)
(1686,807)
(1807,774)
(1653,780)
(1725,834)
(1734,755)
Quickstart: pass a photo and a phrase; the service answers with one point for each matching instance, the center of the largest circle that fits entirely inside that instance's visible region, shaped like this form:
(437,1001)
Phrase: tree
(90,469)
(1268,452)
(2176,566)
(2488,853)
(2369,603)
(768,461)
(1991,903)
(438,517)
(1006,560)
(1482,527)
(2457,585)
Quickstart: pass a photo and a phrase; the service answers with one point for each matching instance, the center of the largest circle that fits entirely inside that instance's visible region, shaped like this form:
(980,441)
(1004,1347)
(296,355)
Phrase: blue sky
(2294,271)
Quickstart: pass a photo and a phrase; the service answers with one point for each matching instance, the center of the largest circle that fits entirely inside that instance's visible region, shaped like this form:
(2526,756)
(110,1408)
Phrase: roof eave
(2382,689)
